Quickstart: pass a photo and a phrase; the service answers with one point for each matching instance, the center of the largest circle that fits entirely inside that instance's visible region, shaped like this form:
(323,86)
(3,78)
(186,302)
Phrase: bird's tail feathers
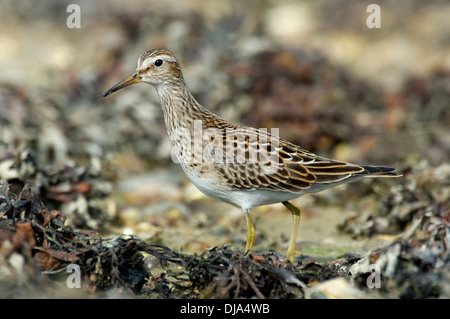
(379,171)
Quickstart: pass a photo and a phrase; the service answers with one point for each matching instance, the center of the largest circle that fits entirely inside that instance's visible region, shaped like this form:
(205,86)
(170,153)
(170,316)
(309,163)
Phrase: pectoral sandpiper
(243,166)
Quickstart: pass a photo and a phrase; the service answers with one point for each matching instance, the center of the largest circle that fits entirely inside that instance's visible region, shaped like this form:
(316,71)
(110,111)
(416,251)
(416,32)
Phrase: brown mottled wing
(255,159)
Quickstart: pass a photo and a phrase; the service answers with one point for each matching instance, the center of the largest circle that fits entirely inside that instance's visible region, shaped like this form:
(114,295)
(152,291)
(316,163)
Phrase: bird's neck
(180,108)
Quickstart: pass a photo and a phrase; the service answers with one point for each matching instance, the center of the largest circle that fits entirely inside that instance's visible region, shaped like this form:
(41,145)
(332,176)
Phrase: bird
(233,163)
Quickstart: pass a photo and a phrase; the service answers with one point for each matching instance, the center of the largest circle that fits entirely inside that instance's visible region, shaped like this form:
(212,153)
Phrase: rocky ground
(89,181)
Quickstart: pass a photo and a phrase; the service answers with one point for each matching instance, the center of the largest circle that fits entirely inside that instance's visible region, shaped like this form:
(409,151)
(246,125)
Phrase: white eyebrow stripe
(164,57)
(149,61)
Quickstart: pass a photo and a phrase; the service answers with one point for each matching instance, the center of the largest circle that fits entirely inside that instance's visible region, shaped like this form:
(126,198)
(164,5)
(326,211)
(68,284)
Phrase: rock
(338,288)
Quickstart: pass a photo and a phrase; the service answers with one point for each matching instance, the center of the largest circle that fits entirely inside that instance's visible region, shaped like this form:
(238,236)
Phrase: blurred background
(313,69)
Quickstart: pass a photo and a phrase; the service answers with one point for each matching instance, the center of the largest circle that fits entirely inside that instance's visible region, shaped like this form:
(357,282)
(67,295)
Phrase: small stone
(338,288)
(129,216)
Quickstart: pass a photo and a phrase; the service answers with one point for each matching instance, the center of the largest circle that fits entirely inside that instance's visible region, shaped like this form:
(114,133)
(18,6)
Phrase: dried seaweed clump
(222,272)
(417,265)
(35,241)
(421,193)
(80,191)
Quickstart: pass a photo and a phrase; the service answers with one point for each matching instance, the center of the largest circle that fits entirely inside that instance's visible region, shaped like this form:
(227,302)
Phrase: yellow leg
(250,232)
(296,214)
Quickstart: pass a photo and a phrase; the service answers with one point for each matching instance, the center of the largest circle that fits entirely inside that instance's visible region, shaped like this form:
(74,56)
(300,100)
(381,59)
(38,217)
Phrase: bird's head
(156,67)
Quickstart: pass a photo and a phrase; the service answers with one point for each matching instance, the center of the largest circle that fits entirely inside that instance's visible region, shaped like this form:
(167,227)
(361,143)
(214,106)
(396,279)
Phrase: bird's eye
(159,62)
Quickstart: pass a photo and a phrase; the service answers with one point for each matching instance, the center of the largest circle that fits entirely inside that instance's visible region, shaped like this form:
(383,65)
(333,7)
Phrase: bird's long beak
(132,79)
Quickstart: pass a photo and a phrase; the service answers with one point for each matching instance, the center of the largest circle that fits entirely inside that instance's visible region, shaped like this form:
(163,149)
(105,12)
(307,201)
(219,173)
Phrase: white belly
(245,199)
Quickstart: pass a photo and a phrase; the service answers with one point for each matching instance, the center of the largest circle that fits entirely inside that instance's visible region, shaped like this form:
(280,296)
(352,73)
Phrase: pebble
(338,288)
